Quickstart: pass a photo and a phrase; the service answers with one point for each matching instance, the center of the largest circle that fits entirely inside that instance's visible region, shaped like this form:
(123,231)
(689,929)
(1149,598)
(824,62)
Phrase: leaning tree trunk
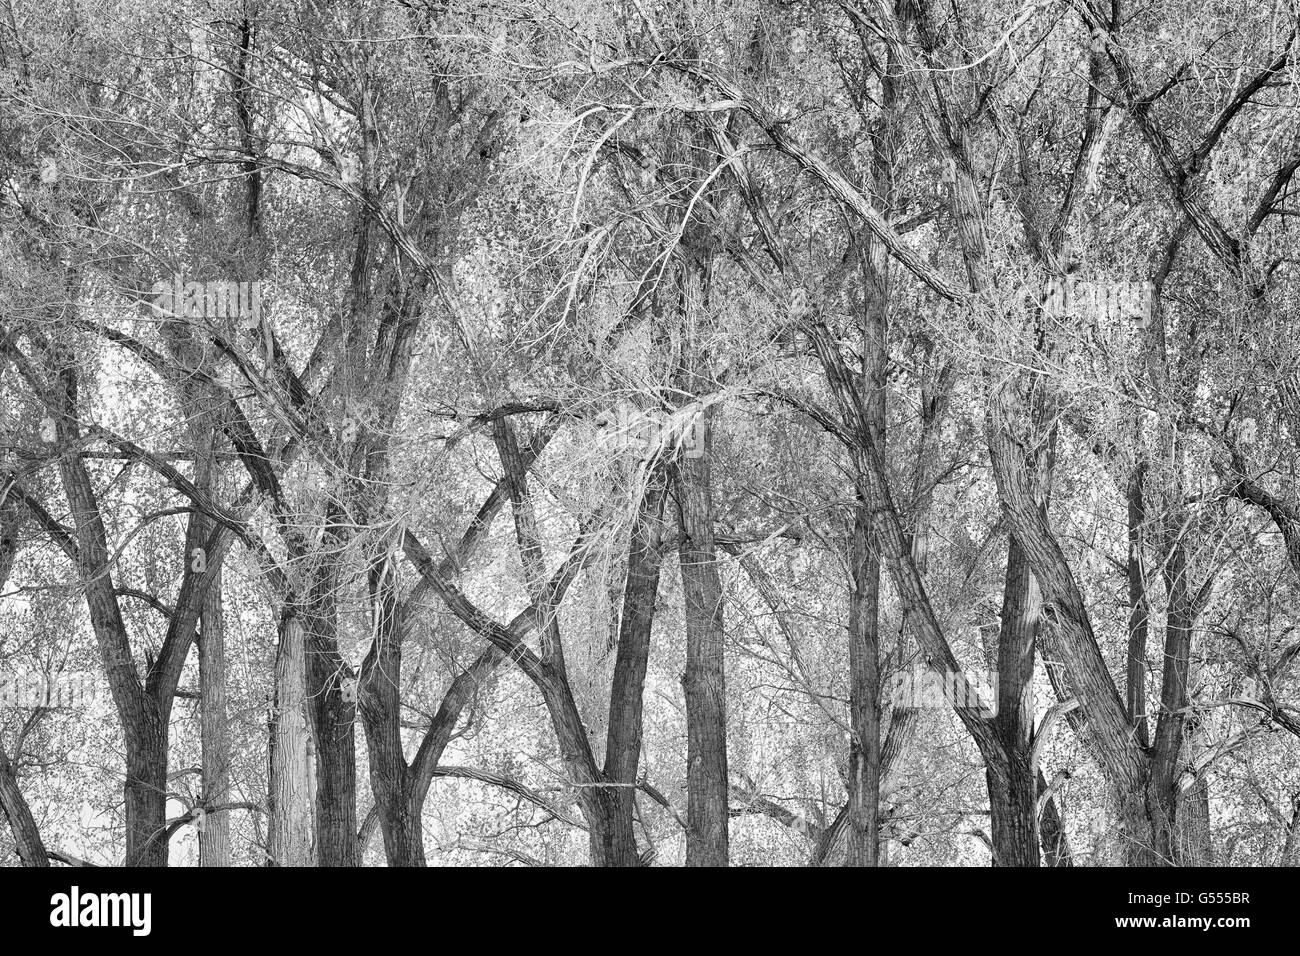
(27,836)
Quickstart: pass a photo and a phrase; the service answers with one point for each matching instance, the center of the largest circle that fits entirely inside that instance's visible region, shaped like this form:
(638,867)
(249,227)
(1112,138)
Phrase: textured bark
(1013,774)
(1291,849)
(27,835)
(289,836)
(332,722)
(144,725)
(707,841)
(214,835)
(864,696)
(1056,847)
(214,735)
(1067,632)
(380,703)
(1135,685)
(623,740)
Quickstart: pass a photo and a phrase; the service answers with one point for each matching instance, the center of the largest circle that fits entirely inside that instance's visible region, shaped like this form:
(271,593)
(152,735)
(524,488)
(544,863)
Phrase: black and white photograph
(651,433)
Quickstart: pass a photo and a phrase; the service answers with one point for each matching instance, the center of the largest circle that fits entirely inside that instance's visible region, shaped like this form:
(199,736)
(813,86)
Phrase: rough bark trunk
(214,735)
(864,696)
(623,740)
(1056,848)
(214,834)
(1012,773)
(27,836)
(1135,688)
(379,703)
(289,836)
(707,841)
(332,720)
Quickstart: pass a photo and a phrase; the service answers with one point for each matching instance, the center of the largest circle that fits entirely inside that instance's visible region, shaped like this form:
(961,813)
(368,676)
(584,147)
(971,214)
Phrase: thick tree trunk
(146,788)
(707,840)
(289,837)
(1135,683)
(1013,803)
(1011,771)
(332,721)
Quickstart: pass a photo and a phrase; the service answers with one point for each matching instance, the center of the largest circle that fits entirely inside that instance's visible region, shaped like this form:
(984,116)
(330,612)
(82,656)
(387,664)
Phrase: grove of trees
(709,432)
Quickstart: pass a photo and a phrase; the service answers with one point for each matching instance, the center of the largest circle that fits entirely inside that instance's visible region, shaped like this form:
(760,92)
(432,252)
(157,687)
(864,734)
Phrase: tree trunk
(332,722)
(27,836)
(623,741)
(146,788)
(707,840)
(214,834)
(1012,773)
(864,696)
(1056,848)
(379,703)
(289,837)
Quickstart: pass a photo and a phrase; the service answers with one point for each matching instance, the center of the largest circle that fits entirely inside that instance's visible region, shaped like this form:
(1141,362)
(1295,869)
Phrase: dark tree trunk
(379,699)
(146,788)
(1056,848)
(864,696)
(623,741)
(333,724)
(707,840)
(1011,772)
(27,836)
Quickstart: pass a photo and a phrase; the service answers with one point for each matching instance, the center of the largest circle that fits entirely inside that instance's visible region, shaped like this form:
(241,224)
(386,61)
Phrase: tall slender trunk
(214,834)
(864,695)
(551,676)
(707,840)
(1135,684)
(623,741)
(379,704)
(214,734)
(864,596)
